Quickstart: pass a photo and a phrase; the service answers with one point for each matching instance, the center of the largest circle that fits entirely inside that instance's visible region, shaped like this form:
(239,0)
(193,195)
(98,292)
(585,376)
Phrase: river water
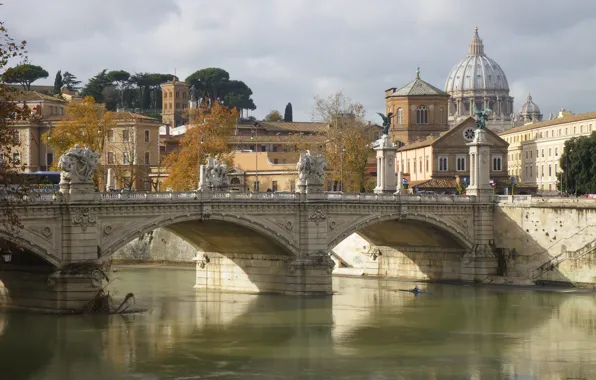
(368,330)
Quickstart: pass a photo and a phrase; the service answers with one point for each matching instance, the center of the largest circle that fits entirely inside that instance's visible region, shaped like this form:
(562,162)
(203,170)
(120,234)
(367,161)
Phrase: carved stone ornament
(85,217)
(214,175)
(46,231)
(484,158)
(78,164)
(317,216)
(202,263)
(206,212)
(289,226)
(107,230)
(311,168)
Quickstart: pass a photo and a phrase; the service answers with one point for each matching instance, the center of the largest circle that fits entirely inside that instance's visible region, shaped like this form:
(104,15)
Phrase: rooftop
(547,123)
(417,87)
(34,96)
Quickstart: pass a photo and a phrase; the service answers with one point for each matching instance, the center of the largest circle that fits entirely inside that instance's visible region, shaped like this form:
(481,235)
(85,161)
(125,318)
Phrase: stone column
(480,261)
(385,166)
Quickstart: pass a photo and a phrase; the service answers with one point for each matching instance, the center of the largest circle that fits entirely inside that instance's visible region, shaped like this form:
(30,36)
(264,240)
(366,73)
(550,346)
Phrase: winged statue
(386,122)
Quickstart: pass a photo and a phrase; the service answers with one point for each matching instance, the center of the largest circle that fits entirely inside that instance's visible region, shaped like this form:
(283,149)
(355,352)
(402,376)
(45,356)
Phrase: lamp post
(341,170)
(255,136)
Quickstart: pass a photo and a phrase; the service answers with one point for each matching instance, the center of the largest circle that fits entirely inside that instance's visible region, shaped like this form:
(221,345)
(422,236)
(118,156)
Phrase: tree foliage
(578,163)
(25,74)
(274,115)
(11,189)
(348,138)
(120,79)
(96,85)
(70,81)
(214,83)
(207,135)
(58,83)
(288,115)
(87,124)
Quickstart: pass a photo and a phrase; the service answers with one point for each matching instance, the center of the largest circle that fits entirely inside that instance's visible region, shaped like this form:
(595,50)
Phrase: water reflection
(369,330)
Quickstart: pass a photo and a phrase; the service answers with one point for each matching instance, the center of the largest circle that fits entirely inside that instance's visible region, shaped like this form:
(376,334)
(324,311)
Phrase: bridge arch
(448,228)
(261,233)
(40,247)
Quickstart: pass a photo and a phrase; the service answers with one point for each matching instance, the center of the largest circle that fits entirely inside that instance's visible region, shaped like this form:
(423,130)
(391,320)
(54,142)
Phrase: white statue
(78,165)
(311,169)
(216,175)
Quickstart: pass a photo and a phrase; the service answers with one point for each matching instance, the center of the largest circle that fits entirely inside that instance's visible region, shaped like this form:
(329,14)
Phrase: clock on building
(469,134)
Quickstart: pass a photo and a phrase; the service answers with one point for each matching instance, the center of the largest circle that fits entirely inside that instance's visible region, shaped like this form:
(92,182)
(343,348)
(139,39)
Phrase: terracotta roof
(418,87)
(565,119)
(450,183)
(34,96)
(313,127)
(134,116)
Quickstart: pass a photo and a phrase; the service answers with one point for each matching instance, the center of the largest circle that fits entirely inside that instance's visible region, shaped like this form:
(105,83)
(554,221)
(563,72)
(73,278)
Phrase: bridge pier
(265,273)
(43,289)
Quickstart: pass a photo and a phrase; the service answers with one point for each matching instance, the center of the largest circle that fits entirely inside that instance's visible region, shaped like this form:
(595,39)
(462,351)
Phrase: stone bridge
(255,242)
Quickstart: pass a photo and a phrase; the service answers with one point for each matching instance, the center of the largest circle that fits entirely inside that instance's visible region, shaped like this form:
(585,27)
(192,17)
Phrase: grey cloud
(292,50)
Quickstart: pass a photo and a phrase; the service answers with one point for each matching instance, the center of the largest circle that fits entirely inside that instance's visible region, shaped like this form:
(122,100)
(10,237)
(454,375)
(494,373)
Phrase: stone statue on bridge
(214,175)
(78,164)
(311,169)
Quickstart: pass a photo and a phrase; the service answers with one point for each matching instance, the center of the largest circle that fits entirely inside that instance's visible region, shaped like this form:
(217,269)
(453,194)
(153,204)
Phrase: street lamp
(341,170)
(255,136)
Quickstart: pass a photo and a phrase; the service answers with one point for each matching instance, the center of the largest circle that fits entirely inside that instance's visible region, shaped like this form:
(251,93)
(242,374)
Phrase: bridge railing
(189,196)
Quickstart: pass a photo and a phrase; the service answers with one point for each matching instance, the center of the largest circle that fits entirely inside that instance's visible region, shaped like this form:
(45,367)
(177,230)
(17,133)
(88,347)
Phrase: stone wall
(159,245)
(424,263)
(548,239)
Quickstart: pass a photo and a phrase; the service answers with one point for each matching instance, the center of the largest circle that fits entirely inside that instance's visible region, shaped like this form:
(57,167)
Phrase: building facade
(419,110)
(439,162)
(535,149)
(478,82)
(130,151)
(45,111)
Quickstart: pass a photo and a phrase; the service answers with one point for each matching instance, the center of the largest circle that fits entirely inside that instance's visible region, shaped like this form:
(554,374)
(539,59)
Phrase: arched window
(400,116)
(422,115)
(235,181)
(442,115)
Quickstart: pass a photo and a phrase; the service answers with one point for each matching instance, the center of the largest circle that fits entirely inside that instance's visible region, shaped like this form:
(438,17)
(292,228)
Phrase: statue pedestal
(83,192)
(386,182)
(480,167)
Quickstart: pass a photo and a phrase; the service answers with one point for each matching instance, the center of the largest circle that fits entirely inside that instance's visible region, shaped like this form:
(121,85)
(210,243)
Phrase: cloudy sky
(292,50)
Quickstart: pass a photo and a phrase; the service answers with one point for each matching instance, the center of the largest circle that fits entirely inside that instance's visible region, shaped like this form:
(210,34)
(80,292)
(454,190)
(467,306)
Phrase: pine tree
(288,113)
(58,83)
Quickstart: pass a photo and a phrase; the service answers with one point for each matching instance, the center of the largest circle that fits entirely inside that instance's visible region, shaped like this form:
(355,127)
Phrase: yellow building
(275,171)
(131,149)
(419,110)
(535,149)
(45,112)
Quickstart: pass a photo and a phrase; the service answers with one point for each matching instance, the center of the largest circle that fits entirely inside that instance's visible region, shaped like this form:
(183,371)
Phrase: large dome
(476,72)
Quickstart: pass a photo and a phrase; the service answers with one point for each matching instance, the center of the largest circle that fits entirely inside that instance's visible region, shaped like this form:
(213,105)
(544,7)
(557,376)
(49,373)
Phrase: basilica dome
(476,71)
(478,82)
(529,111)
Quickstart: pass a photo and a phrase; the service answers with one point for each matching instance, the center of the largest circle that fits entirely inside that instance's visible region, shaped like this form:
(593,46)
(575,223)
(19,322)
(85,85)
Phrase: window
(125,135)
(460,163)
(275,161)
(16,158)
(527,176)
(111,135)
(550,151)
(443,164)
(497,163)
(555,169)
(530,154)
(17,136)
(427,163)
(147,158)
(526,154)
(542,171)
(400,116)
(292,185)
(422,115)
(49,159)
(274,185)
(414,163)
(531,171)
(177,94)
(256,186)
(420,165)
(147,135)
(550,171)
(110,158)
(441,115)
(125,158)
(263,148)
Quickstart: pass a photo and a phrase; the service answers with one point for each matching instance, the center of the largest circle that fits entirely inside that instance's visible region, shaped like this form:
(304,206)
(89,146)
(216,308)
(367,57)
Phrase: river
(368,330)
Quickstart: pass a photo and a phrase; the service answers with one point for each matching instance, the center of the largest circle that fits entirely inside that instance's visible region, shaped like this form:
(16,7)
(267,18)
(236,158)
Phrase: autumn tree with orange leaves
(12,191)
(207,136)
(86,124)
